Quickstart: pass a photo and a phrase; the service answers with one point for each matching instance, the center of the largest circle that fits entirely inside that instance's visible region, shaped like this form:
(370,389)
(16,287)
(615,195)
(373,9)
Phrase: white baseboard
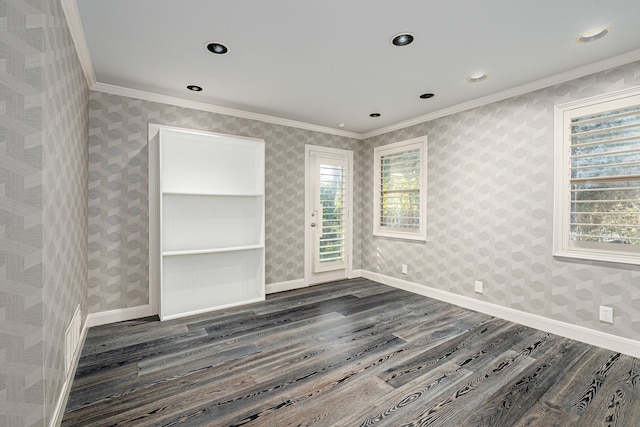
(578,333)
(61,404)
(354,274)
(210,310)
(119,315)
(290,285)
(273,288)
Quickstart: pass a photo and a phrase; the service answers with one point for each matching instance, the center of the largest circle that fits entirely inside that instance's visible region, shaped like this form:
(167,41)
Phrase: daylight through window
(601,150)
(400,190)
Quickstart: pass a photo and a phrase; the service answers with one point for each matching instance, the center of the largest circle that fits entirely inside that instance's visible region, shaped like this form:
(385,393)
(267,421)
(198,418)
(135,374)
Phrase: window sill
(598,256)
(400,235)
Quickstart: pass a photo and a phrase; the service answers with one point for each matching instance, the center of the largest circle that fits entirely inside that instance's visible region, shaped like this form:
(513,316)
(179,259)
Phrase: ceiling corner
(72,15)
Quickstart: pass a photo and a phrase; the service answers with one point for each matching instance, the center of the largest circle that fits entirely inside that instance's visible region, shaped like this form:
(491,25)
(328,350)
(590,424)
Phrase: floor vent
(72,339)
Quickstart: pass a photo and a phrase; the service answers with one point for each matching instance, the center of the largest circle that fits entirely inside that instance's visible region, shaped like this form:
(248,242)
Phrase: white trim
(578,333)
(211,108)
(389,149)
(154,129)
(328,276)
(61,404)
(289,285)
(211,309)
(154,215)
(576,73)
(120,315)
(74,22)
(563,246)
(310,277)
(603,97)
(355,274)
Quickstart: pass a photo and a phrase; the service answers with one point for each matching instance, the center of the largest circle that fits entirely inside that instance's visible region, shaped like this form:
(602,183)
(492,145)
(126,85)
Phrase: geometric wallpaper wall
(43,174)
(490,205)
(64,176)
(21,317)
(490,213)
(118,193)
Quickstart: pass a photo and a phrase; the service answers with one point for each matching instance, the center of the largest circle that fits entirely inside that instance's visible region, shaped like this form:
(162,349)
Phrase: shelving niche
(211,221)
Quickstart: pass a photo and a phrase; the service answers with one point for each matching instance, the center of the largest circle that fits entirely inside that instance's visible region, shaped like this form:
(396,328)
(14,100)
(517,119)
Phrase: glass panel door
(331,214)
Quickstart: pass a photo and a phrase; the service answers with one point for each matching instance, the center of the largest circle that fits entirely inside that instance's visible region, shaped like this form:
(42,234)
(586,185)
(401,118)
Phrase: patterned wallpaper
(489,216)
(64,177)
(43,134)
(118,199)
(21,316)
(490,213)
(490,198)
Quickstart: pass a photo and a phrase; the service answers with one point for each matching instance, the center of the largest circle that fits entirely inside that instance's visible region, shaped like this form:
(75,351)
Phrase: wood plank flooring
(350,353)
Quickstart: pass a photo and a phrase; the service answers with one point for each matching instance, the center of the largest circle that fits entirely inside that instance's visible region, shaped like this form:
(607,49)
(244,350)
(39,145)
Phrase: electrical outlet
(606,314)
(405,269)
(478,287)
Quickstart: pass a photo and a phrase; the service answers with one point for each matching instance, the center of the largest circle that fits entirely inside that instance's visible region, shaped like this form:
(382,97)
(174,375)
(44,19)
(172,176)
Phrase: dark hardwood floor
(351,353)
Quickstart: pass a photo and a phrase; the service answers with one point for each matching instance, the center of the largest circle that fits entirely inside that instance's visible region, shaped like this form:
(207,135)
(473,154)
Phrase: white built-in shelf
(211,251)
(211,164)
(193,222)
(189,193)
(210,210)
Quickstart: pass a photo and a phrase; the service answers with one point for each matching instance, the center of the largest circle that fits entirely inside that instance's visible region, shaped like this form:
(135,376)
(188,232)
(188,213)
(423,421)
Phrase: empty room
(329,213)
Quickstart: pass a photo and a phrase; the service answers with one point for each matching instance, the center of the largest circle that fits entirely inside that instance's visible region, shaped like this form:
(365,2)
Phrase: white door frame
(311,278)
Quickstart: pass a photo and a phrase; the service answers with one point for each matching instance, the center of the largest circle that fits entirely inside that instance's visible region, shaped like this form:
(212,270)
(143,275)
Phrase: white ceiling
(327,62)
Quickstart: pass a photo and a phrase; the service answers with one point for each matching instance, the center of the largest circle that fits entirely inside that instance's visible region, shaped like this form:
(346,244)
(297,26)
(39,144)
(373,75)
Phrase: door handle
(313,224)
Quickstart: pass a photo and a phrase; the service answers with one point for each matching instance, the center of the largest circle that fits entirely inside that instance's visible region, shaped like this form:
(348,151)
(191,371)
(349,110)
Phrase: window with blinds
(333,202)
(600,179)
(400,190)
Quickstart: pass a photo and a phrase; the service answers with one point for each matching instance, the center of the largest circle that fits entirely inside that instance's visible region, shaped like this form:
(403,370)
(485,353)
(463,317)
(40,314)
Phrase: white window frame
(563,246)
(385,150)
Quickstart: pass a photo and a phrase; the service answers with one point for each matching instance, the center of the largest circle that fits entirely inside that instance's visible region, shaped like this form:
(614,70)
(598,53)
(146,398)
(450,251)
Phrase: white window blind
(400,190)
(332,199)
(605,177)
(601,188)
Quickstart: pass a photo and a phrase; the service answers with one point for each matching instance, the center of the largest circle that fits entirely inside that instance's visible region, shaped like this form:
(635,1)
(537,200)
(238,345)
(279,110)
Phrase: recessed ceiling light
(427,95)
(402,39)
(477,77)
(195,88)
(218,48)
(593,35)
(375,115)
(340,125)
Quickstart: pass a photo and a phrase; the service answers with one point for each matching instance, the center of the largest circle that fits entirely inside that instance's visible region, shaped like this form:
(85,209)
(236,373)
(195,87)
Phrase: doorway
(328,214)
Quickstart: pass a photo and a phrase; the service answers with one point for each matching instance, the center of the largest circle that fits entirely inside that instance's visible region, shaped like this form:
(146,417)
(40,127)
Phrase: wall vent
(72,340)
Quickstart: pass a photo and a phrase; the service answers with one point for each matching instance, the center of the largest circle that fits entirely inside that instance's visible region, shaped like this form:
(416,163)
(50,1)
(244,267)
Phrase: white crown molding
(74,22)
(555,79)
(211,108)
(603,97)
(578,333)
(566,76)
(70,8)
